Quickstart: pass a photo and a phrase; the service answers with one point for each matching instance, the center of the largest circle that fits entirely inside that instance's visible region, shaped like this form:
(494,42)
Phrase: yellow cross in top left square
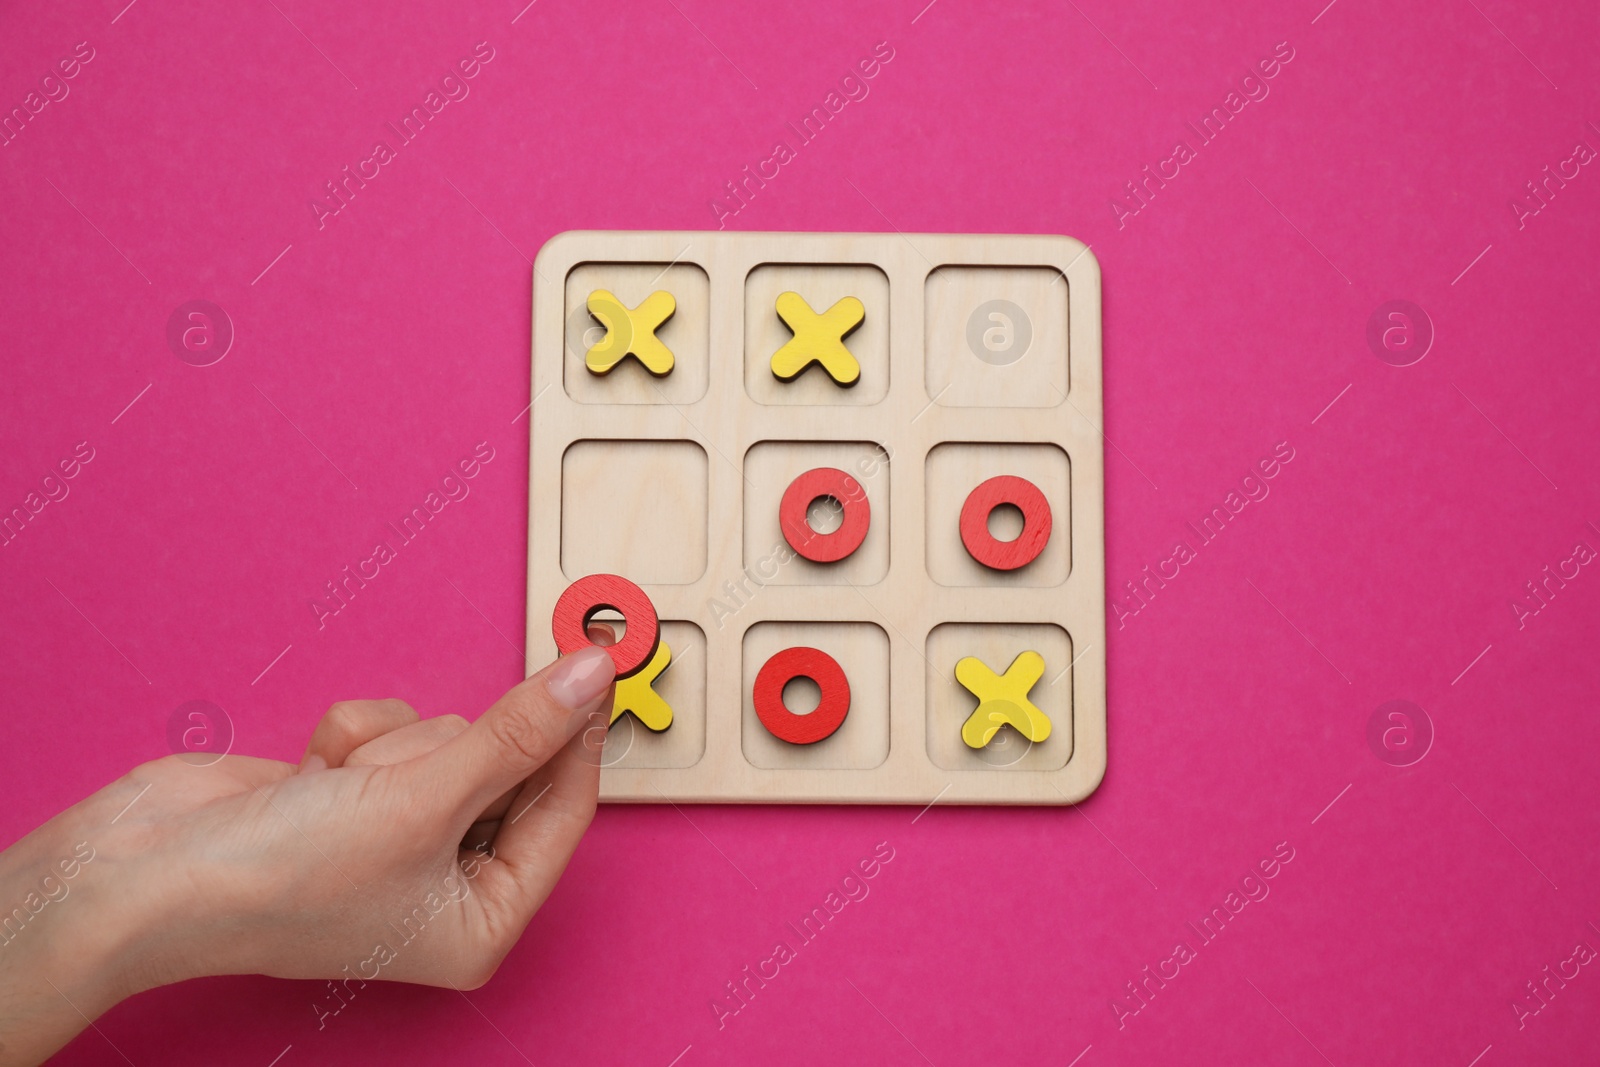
(630,332)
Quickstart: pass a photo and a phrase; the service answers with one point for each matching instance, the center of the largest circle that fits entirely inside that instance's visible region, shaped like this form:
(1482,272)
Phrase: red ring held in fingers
(806,490)
(779,671)
(990,550)
(590,595)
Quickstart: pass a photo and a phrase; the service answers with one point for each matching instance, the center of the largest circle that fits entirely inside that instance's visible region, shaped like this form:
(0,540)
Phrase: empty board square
(996,336)
(636,508)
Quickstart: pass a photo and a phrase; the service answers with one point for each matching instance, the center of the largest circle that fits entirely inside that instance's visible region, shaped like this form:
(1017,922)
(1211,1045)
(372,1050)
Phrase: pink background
(1384,561)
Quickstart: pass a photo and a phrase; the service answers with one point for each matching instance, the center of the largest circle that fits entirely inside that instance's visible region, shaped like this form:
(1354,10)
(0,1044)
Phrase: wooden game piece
(594,593)
(990,550)
(1003,699)
(818,338)
(783,668)
(630,332)
(637,694)
(814,485)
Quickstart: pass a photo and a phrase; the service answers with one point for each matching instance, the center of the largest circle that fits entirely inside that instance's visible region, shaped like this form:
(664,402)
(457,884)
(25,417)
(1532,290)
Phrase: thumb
(523,729)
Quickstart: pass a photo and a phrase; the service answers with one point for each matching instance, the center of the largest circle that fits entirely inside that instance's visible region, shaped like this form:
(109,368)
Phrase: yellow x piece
(1003,699)
(818,338)
(630,332)
(636,695)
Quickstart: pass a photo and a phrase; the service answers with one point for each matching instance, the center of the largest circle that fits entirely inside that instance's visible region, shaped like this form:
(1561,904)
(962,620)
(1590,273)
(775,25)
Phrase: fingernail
(313,762)
(582,678)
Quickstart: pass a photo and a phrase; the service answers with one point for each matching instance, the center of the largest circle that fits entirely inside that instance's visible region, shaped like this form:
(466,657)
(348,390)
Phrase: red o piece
(594,593)
(807,490)
(984,546)
(779,671)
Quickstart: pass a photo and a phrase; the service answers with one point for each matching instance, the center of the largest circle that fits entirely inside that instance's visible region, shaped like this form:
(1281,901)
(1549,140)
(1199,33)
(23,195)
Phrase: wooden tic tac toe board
(930,377)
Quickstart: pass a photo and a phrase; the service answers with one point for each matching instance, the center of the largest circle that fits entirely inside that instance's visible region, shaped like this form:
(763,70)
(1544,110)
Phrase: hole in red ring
(607,616)
(825,514)
(802,695)
(1005,522)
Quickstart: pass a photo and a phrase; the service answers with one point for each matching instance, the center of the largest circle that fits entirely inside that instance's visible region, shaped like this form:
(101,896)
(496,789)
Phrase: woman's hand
(400,849)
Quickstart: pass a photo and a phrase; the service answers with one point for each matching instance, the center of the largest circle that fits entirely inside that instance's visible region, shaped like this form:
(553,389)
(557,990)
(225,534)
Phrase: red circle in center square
(784,667)
(814,485)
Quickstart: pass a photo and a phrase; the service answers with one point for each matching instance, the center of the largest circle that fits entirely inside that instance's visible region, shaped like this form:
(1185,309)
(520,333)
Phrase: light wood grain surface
(980,355)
